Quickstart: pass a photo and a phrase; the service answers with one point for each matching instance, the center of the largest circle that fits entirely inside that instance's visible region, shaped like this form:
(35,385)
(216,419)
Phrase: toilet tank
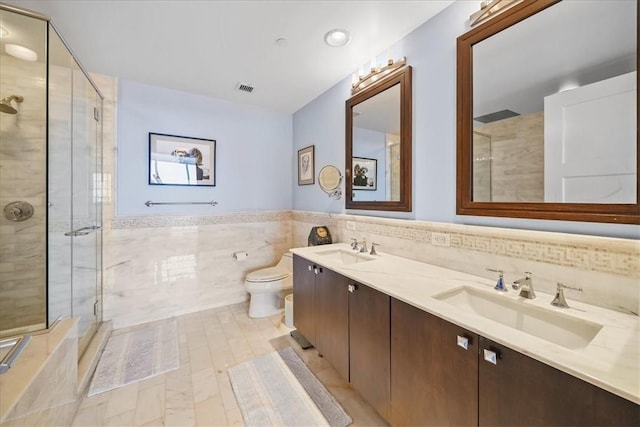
(286,262)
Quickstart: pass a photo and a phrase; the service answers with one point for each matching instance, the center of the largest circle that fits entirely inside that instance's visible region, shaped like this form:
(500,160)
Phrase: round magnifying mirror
(329,180)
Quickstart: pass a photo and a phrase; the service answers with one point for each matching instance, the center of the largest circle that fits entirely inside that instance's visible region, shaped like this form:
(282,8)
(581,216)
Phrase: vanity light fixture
(359,82)
(337,37)
(21,52)
(489,9)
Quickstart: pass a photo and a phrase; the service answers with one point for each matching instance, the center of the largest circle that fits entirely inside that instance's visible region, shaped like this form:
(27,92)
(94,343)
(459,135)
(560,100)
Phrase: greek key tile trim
(592,253)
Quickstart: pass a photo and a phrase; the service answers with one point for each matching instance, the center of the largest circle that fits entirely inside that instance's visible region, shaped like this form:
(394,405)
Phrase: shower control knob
(18,211)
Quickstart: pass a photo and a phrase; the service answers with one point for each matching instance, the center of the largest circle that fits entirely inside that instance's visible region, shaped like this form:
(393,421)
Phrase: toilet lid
(269,274)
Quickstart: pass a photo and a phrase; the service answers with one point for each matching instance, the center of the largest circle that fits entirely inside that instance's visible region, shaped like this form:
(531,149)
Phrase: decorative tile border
(591,253)
(191,220)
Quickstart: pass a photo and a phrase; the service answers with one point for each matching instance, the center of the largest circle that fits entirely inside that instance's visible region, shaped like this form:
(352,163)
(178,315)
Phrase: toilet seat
(270,274)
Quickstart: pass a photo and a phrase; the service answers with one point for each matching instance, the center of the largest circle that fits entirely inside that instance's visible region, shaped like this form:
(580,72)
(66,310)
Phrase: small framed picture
(365,173)
(181,160)
(306,168)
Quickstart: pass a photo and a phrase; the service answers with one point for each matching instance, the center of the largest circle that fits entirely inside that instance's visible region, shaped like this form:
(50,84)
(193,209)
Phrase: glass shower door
(86,212)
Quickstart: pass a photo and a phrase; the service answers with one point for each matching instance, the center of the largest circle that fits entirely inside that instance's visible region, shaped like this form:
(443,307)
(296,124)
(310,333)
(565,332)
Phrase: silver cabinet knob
(491,356)
(463,342)
(315,270)
(351,288)
(310,268)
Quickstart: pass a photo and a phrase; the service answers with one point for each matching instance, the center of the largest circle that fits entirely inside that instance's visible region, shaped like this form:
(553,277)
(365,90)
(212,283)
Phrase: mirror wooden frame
(402,77)
(607,213)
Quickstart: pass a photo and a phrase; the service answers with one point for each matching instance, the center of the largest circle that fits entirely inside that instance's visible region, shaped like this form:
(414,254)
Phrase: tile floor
(198,393)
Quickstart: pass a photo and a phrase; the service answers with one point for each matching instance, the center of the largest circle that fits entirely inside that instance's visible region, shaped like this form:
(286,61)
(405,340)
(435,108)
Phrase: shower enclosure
(50,181)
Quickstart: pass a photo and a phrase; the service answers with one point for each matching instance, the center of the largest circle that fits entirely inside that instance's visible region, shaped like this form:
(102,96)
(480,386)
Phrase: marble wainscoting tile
(47,374)
(160,272)
(607,269)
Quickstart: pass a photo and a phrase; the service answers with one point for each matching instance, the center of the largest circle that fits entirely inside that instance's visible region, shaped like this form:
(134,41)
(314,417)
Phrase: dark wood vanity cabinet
(332,319)
(436,382)
(417,369)
(434,378)
(304,301)
(370,346)
(519,390)
(321,311)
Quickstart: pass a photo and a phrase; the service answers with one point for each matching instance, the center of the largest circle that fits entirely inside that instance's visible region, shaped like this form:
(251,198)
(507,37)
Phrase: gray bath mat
(137,355)
(278,389)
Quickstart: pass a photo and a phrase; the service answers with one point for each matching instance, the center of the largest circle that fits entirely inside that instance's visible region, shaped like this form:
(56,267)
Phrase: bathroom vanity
(425,345)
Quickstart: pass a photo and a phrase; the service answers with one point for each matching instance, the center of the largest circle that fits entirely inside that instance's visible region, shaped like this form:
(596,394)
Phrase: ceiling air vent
(244,87)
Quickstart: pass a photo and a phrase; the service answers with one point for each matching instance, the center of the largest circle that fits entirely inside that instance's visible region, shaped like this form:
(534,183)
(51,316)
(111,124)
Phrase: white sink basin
(549,325)
(341,256)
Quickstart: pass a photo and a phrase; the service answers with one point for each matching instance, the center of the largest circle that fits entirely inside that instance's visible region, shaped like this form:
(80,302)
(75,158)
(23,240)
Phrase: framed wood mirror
(547,113)
(378,145)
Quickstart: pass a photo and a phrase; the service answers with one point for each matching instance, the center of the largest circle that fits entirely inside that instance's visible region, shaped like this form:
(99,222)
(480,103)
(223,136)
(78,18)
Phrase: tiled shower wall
(23,178)
(607,269)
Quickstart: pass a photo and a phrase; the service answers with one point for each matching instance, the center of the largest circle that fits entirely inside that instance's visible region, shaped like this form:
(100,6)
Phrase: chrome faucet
(500,283)
(373,249)
(525,285)
(559,300)
(363,246)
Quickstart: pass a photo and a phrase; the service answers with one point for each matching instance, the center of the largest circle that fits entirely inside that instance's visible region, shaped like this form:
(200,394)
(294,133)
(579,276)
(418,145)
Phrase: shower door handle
(82,231)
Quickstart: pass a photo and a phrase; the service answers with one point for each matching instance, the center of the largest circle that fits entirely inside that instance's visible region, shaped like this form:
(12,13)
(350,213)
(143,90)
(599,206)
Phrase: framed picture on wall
(306,166)
(181,160)
(365,173)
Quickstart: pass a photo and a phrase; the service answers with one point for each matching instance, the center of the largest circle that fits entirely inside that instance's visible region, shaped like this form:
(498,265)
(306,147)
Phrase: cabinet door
(304,304)
(332,319)
(519,390)
(369,346)
(434,378)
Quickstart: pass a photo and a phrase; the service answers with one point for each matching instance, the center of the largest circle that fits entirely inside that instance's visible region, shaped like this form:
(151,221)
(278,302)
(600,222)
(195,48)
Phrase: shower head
(5,104)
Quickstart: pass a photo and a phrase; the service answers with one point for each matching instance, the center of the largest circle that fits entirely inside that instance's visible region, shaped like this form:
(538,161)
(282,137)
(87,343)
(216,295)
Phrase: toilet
(266,285)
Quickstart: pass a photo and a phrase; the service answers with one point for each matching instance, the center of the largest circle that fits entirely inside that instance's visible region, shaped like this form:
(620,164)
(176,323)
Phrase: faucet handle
(363,248)
(500,283)
(354,243)
(373,248)
(559,300)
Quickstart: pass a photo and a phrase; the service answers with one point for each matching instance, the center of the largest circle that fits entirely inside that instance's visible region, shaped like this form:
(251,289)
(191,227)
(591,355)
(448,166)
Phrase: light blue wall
(431,51)
(253,151)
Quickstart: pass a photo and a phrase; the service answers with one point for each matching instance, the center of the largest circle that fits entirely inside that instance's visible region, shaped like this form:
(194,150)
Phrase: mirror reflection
(554,107)
(376,147)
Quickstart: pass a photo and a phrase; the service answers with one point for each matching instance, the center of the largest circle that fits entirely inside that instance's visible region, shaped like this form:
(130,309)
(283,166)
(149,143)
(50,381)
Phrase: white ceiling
(208,47)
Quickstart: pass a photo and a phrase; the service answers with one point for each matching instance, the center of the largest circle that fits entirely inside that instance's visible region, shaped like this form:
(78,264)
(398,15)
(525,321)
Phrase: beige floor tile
(122,400)
(211,412)
(199,391)
(205,385)
(121,420)
(150,405)
(200,359)
(92,415)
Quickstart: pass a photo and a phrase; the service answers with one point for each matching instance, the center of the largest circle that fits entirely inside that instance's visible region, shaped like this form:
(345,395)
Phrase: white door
(590,143)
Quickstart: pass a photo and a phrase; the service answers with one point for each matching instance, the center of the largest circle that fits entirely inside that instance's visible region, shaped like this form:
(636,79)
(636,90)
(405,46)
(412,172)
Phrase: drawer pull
(310,268)
(491,356)
(463,342)
(351,288)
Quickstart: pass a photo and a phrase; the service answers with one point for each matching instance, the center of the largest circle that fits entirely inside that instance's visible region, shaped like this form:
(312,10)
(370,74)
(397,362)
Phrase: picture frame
(181,160)
(306,165)
(365,173)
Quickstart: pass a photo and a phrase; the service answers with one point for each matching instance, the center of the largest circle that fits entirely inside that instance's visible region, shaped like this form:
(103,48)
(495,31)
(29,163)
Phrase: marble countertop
(611,360)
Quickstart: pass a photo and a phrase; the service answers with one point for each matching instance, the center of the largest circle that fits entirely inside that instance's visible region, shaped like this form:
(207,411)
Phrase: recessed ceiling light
(21,52)
(3,32)
(337,37)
